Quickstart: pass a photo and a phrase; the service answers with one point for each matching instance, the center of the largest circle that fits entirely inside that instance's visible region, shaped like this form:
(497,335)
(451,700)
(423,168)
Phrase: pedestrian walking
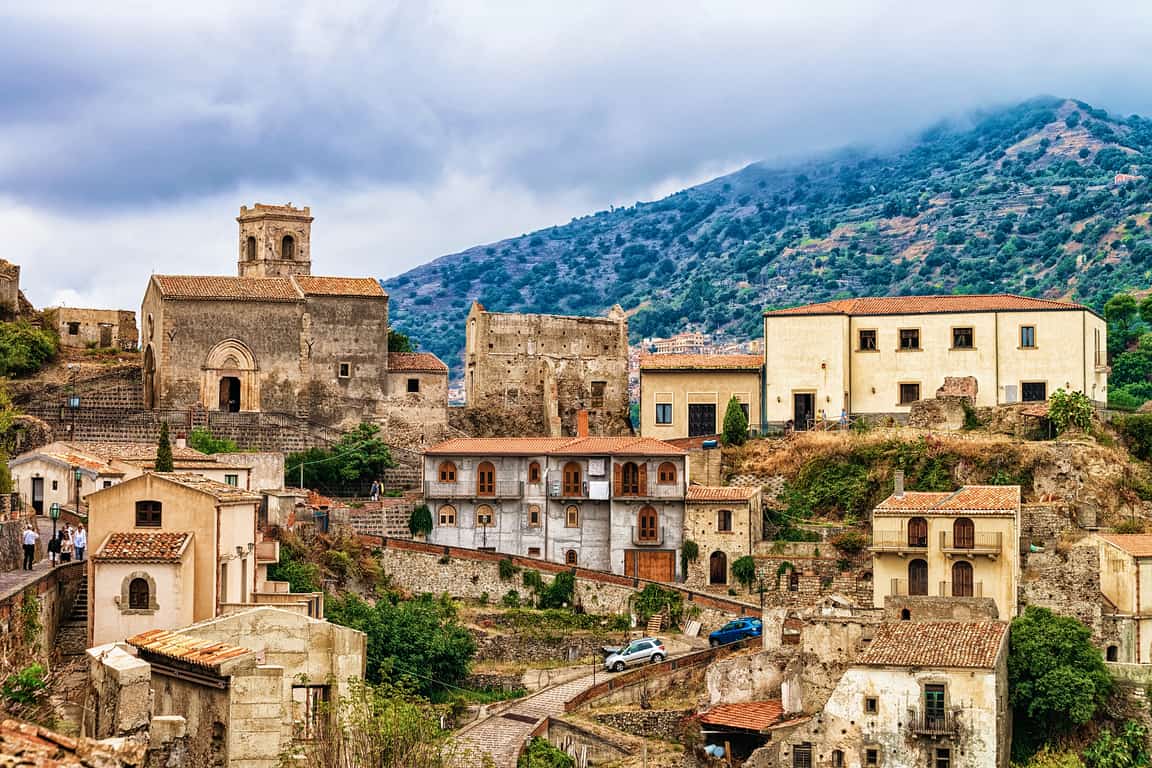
(66,548)
(54,548)
(80,541)
(30,539)
(374,492)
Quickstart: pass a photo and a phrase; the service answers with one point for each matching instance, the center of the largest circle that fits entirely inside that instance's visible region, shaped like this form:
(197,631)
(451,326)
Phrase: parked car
(737,629)
(637,652)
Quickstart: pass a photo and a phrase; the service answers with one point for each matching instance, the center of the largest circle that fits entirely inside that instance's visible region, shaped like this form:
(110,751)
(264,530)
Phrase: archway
(149,377)
(287,248)
(229,382)
(718,568)
(918,577)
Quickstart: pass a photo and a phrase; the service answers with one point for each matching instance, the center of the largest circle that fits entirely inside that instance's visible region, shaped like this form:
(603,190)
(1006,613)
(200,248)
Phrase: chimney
(181,440)
(898,482)
(581,423)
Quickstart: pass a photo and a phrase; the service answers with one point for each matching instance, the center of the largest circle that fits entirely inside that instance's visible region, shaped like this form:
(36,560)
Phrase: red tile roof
(720,494)
(927,305)
(134,547)
(1135,544)
(556,446)
(203,653)
(750,716)
(700,362)
(339,286)
(969,499)
(221,288)
(133,451)
(416,362)
(969,644)
(221,491)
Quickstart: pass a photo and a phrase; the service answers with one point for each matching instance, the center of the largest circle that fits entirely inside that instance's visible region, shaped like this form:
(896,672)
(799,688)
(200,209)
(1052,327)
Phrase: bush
(689,552)
(294,568)
(511,599)
(971,420)
(202,440)
(560,593)
(163,450)
(26,687)
(1137,433)
(1050,758)
(744,571)
(655,599)
(1070,410)
(541,754)
(850,542)
(508,569)
(25,349)
(360,456)
(1129,526)
(420,521)
(1128,749)
(735,424)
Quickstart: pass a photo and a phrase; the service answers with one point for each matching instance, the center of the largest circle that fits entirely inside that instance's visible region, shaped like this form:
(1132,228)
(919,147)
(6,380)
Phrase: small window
(484,516)
(663,413)
(310,708)
(55,485)
(413,385)
(73,329)
(963,338)
(534,472)
(666,473)
(724,521)
(447,516)
(837,758)
(943,757)
(447,472)
(871,757)
(533,551)
(793,582)
(287,248)
(345,371)
(233,480)
(598,393)
(534,515)
(107,483)
(138,595)
(570,557)
(1112,654)
(1033,391)
(909,393)
(867,341)
(909,338)
(1028,336)
(871,705)
(251,248)
(802,756)
(648,524)
(572,517)
(148,514)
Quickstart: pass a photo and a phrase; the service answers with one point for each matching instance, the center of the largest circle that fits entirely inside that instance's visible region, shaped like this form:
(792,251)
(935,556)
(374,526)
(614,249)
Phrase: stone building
(961,545)
(550,366)
(10,297)
(922,693)
(877,356)
(613,504)
(103,328)
(726,523)
(687,395)
(1125,576)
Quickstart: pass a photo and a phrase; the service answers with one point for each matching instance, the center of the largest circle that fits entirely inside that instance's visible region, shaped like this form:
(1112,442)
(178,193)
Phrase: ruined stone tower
(275,241)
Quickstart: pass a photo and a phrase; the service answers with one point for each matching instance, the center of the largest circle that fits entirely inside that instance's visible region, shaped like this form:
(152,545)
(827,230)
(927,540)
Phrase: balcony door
(962,579)
(917,532)
(963,534)
(485,479)
(918,577)
(934,706)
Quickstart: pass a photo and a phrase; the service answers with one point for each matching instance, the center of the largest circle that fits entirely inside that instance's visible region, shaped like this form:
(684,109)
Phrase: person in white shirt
(80,541)
(30,539)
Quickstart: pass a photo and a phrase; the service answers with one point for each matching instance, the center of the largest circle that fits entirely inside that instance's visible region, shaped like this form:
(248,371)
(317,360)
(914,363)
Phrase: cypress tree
(164,450)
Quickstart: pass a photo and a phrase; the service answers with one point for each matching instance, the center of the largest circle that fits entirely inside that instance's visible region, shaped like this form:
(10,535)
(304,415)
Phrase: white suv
(636,652)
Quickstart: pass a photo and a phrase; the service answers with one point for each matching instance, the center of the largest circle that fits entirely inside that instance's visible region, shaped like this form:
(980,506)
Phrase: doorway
(230,394)
(105,335)
(803,409)
(38,495)
(701,419)
(718,568)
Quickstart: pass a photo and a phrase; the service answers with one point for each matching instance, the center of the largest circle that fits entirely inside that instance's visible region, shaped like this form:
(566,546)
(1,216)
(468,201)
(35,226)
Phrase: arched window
(148,514)
(666,474)
(917,532)
(139,597)
(718,568)
(573,475)
(905,614)
(648,524)
(533,515)
(572,517)
(724,521)
(484,516)
(629,484)
(250,248)
(287,248)
(837,758)
(534,472)
(485,479)
(447,516)
(963,533)
(918,577)
(962,579)
(570,557)
(1112,654)
(447,472)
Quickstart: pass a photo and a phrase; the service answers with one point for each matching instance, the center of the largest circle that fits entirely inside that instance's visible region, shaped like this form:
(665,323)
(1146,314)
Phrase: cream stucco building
(687,395)
(963,544)
(1126,581)
(874,356)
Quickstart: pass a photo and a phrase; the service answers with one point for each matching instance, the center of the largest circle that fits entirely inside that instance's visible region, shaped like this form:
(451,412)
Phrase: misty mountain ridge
(1049,198)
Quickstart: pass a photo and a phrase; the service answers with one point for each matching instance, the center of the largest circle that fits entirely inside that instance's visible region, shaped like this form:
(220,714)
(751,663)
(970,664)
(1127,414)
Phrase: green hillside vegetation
(1023,200)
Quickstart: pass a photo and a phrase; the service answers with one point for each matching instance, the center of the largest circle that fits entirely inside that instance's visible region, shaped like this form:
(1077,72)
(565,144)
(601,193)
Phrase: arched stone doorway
(229,382)
(149,377)
(718,568)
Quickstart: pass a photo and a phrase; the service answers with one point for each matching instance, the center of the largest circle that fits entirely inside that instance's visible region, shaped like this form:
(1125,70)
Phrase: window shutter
(643,478)
(617,477)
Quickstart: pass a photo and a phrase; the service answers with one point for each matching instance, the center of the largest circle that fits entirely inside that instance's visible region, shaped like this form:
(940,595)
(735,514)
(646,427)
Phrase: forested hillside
(1049,198)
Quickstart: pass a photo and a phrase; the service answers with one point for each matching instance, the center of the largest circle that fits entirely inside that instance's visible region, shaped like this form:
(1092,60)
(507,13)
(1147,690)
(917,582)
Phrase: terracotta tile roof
(339,286)
(319,501)
(700,362)
(85,462)
(221,491)
(556,446)
(1135,544)
(203,653)
(132,452)
(971,644)
(26,744)
(749,716)
(221,288)
(927,305)
(618,446)
(725,493)
(970,499)
(416,362)
(134,547)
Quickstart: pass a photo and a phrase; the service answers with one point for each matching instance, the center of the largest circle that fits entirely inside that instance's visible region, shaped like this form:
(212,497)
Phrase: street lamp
(54,513)
(77,475)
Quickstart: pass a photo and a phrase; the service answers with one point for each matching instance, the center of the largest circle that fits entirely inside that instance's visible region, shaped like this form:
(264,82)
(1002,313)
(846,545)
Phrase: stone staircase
(72,636)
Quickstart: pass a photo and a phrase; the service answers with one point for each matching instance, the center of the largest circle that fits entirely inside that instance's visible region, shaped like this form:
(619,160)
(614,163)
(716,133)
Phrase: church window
(345,371)
(250,248)
(287,248)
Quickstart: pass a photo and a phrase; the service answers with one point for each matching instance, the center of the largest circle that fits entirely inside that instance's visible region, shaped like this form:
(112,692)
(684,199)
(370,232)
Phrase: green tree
(295,568)
(202,440)
(420,522)
(360,456)
(735,424)
(744,571)
(1056,677)
(24,348)
(1146,302)
(541,754)
(1070,410)
(1120,311)
(164,450)
(399,342)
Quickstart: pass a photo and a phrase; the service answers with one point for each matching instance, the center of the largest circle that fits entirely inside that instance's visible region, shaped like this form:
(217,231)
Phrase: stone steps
(72,638)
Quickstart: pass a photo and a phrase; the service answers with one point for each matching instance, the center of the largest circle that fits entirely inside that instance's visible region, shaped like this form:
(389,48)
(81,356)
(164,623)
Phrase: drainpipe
(996,355)
(216,569)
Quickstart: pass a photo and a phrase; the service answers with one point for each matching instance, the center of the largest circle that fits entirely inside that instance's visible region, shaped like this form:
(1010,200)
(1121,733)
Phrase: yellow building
(687,395)
(1126,580)
(960,544)
(725,522)
(879,355)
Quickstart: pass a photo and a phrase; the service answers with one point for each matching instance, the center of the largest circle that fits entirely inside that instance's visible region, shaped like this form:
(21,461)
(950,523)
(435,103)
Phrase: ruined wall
(800,574)
(30,616)
(344,329)
(9,289)
(665,724)
(79,328)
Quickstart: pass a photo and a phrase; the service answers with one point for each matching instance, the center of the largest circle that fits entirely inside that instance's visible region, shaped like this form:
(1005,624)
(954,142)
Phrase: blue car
(737,629)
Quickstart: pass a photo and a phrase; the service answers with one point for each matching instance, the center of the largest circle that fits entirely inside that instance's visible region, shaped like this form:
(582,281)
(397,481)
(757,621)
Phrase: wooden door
(701,420)
(652,564)
(918,577)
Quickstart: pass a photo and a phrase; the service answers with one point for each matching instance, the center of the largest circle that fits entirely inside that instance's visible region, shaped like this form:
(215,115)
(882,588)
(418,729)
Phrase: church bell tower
(275,240)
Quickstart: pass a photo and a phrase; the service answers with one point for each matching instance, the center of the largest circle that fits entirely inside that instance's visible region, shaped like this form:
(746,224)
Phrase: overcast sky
(131,133)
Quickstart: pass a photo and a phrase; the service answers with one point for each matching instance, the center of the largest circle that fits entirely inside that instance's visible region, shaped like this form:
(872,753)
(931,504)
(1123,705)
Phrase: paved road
(11,581)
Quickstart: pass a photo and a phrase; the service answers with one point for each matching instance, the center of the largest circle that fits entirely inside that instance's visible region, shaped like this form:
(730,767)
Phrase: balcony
(267,552)
(502,489)
(933,724)
(649,541)
(899,588)
(653,491)
(559,490)
(898,542)
(987,544)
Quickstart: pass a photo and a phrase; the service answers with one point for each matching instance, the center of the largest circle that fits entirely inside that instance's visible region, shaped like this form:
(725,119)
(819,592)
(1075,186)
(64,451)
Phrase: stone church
(276,340)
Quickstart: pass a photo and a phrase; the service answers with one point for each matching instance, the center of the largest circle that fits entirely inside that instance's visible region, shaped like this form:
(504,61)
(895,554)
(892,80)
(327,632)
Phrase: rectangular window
(148,514)
(73,329)
(934,703)
(598,393)
(909,393)
(534,515)
(107,483)
(223,582)
(345,370)
(871,705)
(867,341)
(1028,336)
(943,757)
(233,480)
(1033,391)
(963,338)
(802,756)
(533,551)
(572,517)
(663,413)
(309,708)
(909,338)
(55,485)
(413,385)
(871,757)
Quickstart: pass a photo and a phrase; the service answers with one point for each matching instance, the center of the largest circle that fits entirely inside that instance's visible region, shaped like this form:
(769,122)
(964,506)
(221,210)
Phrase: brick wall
(54,592)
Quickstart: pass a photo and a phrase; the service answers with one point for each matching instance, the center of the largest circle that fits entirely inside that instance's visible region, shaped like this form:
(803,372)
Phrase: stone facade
(552,366)
(275,240)
(9,289)
(726,523)
(103,328)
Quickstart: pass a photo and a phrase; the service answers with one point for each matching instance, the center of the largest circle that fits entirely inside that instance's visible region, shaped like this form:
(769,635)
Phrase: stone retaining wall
(666,724)
(53,594)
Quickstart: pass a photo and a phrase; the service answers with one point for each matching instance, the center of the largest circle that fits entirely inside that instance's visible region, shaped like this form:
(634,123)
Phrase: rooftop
(339,286)
(133,451)
(134,547)
(221,491)
(1135,544)
(415,362)
(928,305)
(275,289)
(202,653)
(968,499)
(554,446)
(721,493)
(700,362)
(749,716)
(968,644)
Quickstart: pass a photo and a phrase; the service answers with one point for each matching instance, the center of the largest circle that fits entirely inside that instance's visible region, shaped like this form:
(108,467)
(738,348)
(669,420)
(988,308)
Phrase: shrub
(164,450)
(541,754)
(850,542)
(508,569)
(689,552)
(1129,526)
(1070,410)
(483,598)
(202,440)
(735,424)
(511,599)
(1137,433)
(560,593)
(420,521)
(744,571)
(25,349)
(655,599)
(971,420)
(26,687)
(1128,749)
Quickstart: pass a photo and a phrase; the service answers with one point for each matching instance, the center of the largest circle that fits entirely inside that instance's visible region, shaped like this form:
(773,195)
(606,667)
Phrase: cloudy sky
(131,132)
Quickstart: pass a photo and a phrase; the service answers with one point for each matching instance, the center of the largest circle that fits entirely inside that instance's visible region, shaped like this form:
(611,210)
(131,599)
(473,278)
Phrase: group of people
(70,541)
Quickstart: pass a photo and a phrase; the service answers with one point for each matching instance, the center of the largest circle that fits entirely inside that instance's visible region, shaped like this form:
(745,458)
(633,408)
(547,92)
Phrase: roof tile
(721,493)
(1135,544)
(700,362)
(747,716)
(971,499)
(223,288)
(222,491)
(135,547)
(555,446)
(203,653)
(339,286)
(415,362)
(926,305)
(970,644)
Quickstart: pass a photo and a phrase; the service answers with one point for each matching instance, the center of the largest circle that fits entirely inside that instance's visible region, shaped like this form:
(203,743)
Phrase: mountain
(1048,198)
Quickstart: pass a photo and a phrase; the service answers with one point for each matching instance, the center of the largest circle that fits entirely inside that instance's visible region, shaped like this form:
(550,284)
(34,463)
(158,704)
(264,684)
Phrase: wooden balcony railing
(988,544)
(933,724)
(649,541)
